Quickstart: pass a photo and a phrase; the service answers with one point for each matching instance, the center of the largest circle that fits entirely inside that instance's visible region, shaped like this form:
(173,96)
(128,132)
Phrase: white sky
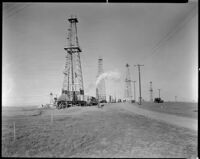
(163,37)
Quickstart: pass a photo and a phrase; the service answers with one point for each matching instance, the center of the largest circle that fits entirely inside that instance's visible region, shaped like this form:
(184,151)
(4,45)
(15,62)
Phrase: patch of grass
(110,133)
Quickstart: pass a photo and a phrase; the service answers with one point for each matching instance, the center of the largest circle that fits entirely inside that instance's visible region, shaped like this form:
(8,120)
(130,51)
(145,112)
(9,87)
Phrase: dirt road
(168,118)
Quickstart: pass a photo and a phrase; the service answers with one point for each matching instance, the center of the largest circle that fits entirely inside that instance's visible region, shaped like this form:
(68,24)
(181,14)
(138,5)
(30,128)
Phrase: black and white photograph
(100,80)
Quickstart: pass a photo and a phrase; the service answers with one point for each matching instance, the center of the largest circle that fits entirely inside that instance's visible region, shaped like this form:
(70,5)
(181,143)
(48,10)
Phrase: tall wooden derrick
(73,79)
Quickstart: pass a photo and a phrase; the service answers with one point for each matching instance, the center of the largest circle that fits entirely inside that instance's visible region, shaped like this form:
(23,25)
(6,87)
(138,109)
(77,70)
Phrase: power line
(9,7)
(18,10)
(171,33)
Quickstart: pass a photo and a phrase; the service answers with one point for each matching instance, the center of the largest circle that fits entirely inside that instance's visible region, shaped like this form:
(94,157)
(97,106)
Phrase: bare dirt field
(92,132)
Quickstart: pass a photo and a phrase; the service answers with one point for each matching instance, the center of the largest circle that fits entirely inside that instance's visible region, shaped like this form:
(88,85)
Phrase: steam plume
(112,75)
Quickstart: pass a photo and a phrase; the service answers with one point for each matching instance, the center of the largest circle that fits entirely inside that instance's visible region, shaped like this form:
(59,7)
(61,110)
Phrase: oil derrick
(128,91)
(101,86)
(51,99)
(73,79)
(151,92)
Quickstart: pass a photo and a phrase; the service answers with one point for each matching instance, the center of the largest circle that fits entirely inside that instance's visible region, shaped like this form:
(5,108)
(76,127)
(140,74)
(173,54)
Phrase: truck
(158,100)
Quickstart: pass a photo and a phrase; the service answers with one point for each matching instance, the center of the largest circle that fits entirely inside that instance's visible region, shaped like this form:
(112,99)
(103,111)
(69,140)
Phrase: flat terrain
(181,121)
(184,109)
(113,131)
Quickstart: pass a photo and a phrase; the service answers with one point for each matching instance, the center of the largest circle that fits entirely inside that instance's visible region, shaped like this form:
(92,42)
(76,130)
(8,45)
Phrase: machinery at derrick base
(64,101)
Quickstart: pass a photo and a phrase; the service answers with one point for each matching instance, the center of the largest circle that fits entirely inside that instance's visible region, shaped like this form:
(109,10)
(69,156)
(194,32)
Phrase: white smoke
(90,89)
(111,75)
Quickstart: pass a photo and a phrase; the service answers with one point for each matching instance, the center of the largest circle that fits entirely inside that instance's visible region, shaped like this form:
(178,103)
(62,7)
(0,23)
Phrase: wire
(9,7)
(170,34)
(18,10)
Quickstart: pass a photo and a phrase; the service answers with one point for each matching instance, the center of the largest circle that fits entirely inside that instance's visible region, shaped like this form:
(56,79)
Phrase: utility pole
(134,91)
(97,95)
(175,98)
(159,92)
(140,101)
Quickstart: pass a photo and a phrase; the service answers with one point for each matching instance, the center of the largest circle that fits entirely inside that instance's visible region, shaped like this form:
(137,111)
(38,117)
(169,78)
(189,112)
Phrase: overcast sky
(163,37)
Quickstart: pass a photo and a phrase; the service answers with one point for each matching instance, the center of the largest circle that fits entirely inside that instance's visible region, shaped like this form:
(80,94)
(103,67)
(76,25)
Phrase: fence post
(14,130)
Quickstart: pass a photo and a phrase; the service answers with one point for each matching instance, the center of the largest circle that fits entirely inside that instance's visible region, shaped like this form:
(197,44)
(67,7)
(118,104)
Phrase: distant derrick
(128,90)
(151,92)
(101,89)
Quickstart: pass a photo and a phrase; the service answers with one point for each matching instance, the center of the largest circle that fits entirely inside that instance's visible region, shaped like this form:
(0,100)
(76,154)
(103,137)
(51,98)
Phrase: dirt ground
(93,132)
(184,109)
(181,121)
